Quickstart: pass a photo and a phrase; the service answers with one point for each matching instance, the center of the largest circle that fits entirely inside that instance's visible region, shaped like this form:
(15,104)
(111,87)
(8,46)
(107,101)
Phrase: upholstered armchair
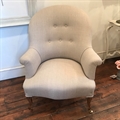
(60,62)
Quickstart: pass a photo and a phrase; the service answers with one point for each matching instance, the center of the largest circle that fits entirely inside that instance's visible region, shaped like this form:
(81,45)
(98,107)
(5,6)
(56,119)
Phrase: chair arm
(31,60)
(89,61)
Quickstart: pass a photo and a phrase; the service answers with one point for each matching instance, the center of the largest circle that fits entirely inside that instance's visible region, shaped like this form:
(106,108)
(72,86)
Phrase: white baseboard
(13,72)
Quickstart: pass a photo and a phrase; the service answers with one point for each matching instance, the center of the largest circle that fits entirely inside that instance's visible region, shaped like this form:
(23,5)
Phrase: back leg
(30,103)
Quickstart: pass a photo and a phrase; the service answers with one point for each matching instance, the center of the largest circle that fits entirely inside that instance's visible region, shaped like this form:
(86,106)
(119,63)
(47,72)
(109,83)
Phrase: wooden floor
(106,102)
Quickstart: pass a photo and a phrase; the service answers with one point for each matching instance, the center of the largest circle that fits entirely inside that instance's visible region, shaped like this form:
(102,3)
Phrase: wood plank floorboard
(106,102)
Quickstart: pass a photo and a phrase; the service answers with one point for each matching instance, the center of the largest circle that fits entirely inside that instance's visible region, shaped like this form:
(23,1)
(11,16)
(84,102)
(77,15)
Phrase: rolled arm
(89,61)
(31,60)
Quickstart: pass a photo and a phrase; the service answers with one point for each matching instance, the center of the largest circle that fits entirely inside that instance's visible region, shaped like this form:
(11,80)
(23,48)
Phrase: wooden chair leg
(89,105)
(30,103)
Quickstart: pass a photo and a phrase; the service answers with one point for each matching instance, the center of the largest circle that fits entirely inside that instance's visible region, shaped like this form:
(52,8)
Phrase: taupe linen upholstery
(60,62)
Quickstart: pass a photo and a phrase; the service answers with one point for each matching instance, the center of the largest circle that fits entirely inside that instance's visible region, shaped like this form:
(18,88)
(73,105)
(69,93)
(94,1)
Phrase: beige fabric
(59,79)
(60,39)
(31,60)
(89,61)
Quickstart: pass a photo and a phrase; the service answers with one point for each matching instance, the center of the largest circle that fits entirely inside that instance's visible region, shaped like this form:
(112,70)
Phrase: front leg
(89,105)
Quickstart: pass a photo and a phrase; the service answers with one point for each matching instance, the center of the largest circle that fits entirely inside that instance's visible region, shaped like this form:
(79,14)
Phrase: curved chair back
(60,31)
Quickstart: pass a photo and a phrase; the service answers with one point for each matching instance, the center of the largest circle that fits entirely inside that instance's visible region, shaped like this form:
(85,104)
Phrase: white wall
(9,6)
(13,43)
(14,40)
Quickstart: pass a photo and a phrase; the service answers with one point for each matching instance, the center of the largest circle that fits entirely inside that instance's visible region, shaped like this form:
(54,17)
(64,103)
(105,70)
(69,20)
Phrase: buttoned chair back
(60,31)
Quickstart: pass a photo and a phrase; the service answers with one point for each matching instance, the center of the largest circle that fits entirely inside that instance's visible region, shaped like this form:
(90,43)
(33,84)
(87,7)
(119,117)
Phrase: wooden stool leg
(30,103)
(89,105)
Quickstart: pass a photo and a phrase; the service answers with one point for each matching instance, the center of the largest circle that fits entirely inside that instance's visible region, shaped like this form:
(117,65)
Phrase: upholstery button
(55,25)
(49,40)
(60,39)
(71,40)
(65,25)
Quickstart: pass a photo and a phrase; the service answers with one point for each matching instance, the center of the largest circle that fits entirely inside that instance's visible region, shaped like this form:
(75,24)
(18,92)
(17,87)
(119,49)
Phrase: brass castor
(91,111)
(89,106)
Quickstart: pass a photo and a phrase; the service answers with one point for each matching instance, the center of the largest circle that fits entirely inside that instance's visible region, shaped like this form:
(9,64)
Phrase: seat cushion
(59,79)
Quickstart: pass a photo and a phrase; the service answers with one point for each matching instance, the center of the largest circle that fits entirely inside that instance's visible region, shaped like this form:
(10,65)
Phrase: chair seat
(59,79)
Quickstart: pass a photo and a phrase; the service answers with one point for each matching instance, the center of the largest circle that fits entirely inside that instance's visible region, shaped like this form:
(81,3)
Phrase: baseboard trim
(13,72)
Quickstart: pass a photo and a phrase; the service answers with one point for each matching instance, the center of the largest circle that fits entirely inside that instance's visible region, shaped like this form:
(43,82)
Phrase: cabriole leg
(30,103)
(89,105)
